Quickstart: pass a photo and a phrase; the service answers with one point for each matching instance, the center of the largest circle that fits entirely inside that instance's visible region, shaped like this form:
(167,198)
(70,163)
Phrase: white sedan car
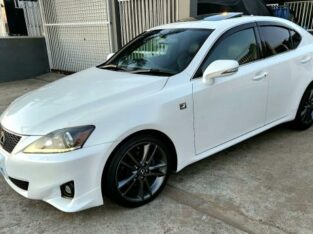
(174,95)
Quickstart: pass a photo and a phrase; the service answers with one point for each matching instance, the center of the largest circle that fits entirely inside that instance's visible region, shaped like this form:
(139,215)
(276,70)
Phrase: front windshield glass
(159,52)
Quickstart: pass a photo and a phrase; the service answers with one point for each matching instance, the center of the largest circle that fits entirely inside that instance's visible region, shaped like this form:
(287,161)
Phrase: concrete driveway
(264,185)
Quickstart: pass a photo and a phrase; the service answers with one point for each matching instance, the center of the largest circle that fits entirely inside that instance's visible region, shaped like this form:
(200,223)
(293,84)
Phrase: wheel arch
(309,85)
(156,133)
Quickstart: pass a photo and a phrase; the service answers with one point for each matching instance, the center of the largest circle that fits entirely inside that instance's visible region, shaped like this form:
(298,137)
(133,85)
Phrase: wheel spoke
(148,186)
(124,182)
(141,190)
(133,159)
(303,113)
(152,155)
(159,166)
(145,153)
(307,114)
(130,187)
(132,168)
(311,96)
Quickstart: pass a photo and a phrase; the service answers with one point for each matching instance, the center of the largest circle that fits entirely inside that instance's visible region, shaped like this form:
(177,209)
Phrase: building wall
(22,58)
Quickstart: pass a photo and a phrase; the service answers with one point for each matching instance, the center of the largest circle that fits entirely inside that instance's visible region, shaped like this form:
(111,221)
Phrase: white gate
(136,16)
(32,17)
(78,32)
(303,11)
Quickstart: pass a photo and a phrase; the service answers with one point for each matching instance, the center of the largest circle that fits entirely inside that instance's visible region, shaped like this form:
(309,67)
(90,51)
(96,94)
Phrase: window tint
(276,40)
(240,46)
(168,51)
(296,39)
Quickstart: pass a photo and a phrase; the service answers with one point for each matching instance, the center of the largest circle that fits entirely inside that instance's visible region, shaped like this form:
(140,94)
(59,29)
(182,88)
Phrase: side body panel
(231,107)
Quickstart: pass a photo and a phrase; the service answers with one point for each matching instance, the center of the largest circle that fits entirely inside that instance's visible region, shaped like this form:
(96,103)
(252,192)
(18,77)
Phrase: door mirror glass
(219,68)
(110,56)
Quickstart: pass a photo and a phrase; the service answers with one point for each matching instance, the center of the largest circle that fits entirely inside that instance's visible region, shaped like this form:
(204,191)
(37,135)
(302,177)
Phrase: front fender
(159,111)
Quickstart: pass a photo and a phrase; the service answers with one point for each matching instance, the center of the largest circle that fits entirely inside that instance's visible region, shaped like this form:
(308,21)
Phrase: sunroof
(215,17)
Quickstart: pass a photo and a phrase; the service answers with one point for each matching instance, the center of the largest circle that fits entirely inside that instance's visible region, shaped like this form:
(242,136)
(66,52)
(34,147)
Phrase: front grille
(8,141)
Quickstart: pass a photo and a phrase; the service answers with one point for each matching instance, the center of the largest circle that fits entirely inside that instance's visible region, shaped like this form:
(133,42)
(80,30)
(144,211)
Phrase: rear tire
(304,117)
(137,171)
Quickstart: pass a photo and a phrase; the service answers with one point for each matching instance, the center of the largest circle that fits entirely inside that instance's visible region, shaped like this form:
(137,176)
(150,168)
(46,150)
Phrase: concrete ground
(264,185)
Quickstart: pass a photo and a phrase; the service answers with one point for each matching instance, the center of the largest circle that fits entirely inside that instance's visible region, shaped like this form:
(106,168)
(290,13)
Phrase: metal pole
(45,34)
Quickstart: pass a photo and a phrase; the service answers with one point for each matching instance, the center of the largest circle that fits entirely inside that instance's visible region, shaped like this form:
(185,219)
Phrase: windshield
(160,52)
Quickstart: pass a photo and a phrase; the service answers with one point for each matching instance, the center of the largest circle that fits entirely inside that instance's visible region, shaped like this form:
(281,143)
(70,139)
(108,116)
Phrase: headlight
(61,141)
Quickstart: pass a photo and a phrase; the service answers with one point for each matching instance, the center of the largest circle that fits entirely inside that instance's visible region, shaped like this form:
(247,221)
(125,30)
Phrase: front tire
(304,117)
(137,171)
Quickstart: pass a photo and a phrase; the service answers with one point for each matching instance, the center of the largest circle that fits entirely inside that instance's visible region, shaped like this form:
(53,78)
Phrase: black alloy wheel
(137,172)
(304,118)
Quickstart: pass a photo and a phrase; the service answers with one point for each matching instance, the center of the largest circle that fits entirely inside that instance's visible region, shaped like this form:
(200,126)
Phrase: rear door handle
(306,60)
(260,76)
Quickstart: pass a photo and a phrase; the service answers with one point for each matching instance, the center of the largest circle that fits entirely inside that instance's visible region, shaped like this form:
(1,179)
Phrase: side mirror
(110,56)
(219,68)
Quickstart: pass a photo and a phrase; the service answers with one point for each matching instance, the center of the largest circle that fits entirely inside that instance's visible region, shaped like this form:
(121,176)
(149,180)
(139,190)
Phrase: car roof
(223,23)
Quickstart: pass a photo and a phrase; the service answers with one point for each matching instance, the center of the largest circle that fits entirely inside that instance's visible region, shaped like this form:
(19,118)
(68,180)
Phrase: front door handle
(260,76)
(306,60)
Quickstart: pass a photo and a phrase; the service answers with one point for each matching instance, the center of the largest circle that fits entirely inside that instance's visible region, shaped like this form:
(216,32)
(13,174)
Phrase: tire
(137,171)
(304,117)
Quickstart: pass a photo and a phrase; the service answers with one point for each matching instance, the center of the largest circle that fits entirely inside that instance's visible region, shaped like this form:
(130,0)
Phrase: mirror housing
(110,56)
(219,68)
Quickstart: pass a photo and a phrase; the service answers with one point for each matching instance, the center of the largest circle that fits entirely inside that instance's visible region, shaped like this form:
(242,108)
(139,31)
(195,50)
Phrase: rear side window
(276,40)
(296,39)
(240,46)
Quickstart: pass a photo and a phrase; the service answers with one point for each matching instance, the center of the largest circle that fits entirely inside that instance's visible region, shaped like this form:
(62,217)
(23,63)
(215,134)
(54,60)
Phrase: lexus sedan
(174,95)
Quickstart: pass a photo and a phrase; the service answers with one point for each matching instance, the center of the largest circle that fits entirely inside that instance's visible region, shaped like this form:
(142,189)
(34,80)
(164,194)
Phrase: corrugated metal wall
(136,16)
(78,33)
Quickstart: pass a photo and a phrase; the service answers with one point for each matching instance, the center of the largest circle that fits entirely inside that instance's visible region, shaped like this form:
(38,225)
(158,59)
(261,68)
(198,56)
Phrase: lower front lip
(46,173)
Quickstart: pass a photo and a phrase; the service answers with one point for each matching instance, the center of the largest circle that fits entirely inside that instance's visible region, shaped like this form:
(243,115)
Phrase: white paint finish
(94,89)
(218,116)
(47,173)
(229,108)
(281,83)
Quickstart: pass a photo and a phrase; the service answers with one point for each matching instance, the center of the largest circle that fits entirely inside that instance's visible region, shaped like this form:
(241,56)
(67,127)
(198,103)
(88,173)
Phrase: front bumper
(46,173)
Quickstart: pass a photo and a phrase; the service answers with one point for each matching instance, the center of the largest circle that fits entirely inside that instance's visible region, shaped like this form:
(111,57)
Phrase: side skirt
(235,141)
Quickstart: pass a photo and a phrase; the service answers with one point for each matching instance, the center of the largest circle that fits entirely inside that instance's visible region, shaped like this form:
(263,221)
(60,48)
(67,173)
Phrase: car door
(236,104)
(277,47)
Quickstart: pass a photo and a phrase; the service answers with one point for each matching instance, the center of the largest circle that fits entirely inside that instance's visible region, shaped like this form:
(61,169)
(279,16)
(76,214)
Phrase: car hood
(66,102)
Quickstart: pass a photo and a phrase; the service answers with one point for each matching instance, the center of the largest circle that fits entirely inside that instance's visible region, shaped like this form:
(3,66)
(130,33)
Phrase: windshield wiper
(153,71)
(112,67)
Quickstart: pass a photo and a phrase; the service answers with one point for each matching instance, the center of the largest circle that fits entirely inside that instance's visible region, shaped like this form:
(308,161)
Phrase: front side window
(240,46)
(276,40)
(159,52)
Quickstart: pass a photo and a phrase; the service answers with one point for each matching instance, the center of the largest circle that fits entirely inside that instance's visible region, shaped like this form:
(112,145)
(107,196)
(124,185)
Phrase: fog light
(68,190)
